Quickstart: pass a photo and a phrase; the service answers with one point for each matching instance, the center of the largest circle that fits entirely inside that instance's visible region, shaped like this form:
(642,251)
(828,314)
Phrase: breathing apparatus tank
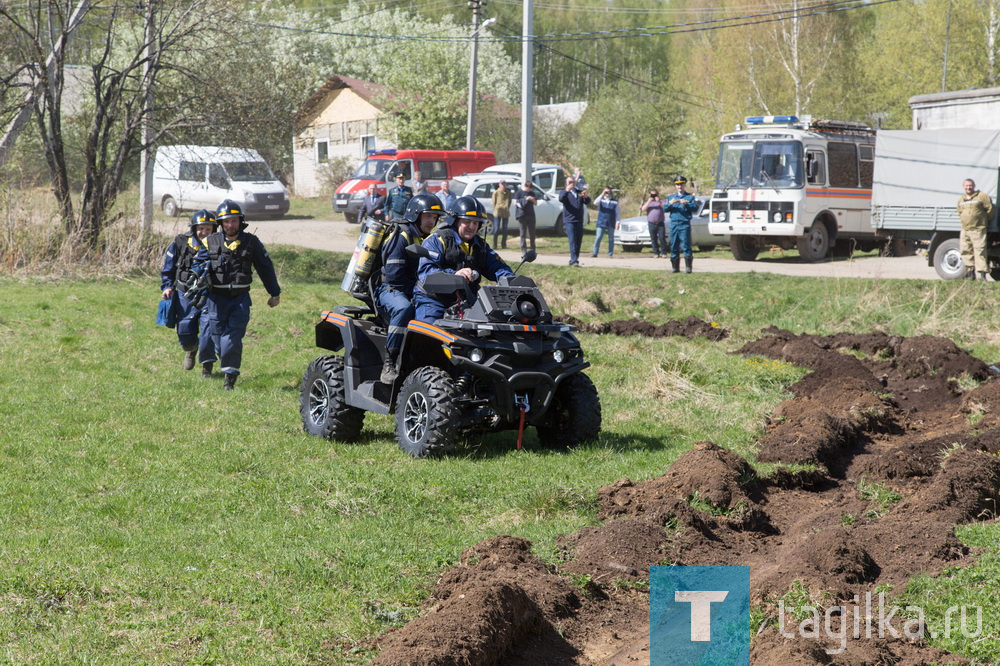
(366,253)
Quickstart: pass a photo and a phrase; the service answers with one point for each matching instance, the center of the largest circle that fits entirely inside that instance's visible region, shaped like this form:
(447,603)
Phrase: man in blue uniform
(609,216)
(193,331)
(397,198)
(457,249)
(230,256)
(681,206)
(399,273)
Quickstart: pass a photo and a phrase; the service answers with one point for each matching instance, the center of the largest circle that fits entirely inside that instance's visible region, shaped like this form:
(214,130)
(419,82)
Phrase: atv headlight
(476,355)
(559,356)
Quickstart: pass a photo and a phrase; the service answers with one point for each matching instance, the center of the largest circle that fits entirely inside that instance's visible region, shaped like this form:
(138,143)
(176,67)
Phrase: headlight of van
(248,196)
(359,195)
(722,216)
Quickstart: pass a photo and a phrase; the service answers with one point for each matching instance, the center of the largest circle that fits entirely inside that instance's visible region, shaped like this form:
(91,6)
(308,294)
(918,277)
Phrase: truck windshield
(745,164)
(372,170)
(248,171)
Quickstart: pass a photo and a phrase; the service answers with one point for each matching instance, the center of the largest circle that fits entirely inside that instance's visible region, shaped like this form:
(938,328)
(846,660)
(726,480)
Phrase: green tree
(629,139)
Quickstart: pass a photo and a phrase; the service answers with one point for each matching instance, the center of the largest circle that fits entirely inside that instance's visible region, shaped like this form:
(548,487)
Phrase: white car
(634,232)
(548,210)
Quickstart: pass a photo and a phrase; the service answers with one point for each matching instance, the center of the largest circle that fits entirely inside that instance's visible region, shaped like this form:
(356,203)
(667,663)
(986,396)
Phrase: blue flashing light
(385,151)
(771,120)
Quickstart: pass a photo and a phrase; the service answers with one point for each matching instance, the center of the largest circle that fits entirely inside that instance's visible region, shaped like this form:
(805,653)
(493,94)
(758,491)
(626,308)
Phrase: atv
(495,361)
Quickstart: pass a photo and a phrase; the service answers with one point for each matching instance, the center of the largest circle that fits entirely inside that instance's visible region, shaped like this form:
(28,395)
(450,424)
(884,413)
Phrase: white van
(196,177)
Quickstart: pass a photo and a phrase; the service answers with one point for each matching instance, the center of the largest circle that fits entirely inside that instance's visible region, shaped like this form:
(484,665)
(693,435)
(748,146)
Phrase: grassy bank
(149,516)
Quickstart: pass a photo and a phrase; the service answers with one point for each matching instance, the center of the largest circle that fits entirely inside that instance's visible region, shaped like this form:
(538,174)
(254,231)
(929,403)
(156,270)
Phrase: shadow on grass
(494,445)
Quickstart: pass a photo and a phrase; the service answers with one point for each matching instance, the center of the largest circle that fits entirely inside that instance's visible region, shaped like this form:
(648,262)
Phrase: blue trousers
(574,232)
(398,308)
(427,308)
(228,317)
(500,226)
(193,328)
(680,239)
(611,240)
(658,237)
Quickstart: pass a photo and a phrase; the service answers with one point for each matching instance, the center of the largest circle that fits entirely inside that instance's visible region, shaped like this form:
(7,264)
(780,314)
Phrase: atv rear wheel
(427,413)
(321,402)
(576,409)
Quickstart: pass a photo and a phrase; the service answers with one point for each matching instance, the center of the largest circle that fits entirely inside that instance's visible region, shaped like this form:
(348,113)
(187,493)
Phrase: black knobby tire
(744,248)
(321,402)
(576,408)
(427,413)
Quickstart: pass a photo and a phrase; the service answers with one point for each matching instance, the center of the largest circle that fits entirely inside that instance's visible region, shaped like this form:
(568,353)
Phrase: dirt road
(339,236)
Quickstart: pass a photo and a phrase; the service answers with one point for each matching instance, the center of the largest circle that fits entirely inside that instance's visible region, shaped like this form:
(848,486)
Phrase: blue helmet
(228,209)
(204,217)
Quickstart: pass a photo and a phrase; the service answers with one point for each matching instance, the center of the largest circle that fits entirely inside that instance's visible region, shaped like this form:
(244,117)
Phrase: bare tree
(113,45)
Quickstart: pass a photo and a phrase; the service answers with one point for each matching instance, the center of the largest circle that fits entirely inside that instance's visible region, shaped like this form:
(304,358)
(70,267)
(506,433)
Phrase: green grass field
(148,516)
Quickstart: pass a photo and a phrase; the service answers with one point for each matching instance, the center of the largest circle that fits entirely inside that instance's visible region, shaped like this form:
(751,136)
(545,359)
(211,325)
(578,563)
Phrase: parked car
(549,177)
(634,232)
(548,210)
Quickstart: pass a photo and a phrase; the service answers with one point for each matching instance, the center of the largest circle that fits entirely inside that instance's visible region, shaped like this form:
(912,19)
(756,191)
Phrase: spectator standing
(193,329)
(524,212)
(581,182)
(397,198)
(681,207)
(419,184)
(653,208)
(975,210)
(231,255)
(446,197)
(574,205)
(373,205)
(501,213)
(609,216)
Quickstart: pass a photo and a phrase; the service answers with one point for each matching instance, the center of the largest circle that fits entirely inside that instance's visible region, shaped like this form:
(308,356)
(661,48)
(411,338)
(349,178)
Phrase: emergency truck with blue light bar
(795,182)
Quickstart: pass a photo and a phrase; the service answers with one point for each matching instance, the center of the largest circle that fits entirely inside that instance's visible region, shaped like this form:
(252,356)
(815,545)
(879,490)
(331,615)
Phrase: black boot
(189,355)
(206,370)
(687,264)
(389,372)
(675,265)
(230,382)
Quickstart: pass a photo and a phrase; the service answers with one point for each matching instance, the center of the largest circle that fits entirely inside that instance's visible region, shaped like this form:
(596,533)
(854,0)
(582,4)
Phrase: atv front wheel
(427,413)
(575,413)
(321,402)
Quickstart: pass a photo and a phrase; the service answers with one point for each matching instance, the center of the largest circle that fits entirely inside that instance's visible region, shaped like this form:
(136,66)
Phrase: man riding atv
(456,249)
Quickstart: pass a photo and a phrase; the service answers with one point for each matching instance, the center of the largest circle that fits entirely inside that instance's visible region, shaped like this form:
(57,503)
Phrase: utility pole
(947,38)
(55,57)
(527,81)
(146,156)
(470,126)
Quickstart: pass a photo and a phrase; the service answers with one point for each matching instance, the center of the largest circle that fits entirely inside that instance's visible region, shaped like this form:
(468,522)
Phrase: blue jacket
(573,205)
(608,213)
(447,255)
(396,200)
(399,269)
(681,207)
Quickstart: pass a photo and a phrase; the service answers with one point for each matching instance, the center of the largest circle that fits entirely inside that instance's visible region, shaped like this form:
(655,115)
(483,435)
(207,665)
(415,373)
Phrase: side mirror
(418,251)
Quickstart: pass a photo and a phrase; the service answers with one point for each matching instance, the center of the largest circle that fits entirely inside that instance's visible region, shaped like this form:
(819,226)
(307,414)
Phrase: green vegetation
(148,516)
(879,497)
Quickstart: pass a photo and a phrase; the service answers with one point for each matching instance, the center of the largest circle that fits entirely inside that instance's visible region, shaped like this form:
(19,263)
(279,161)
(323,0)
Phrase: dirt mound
(692,327)
(898,445)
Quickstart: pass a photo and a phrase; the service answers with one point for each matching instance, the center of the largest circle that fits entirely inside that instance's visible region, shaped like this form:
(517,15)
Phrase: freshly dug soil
(875,409)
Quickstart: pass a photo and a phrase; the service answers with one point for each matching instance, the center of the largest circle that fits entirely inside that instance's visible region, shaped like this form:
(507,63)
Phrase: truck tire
(576,409)
(815,244)
(744,248)
(170,207)
(324,411)
(948,260)
(427,413)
